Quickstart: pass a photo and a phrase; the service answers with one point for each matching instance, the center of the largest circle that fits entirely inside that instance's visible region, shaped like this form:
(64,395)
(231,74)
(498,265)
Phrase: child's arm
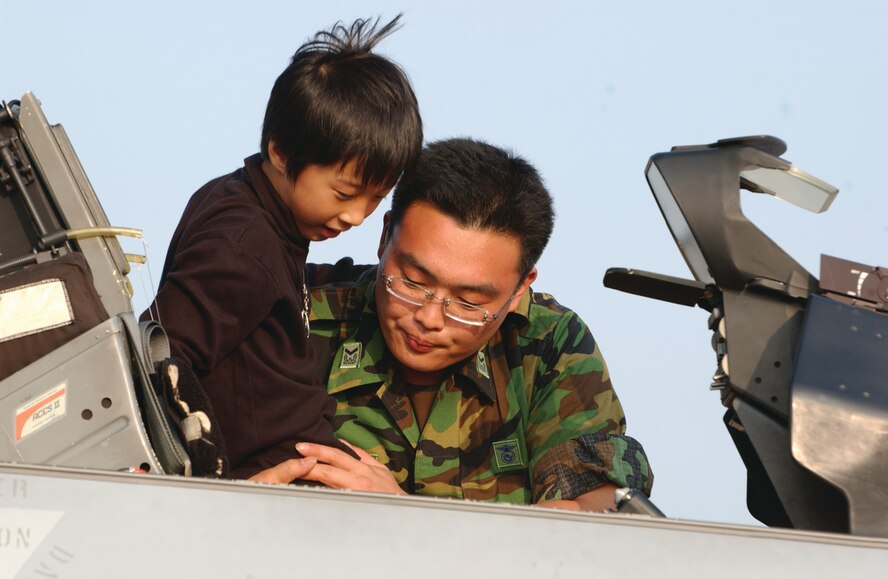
(212,299)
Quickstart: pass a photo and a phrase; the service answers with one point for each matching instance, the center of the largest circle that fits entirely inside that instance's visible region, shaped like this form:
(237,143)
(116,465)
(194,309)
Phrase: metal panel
(97,423)
(89,524)
(840,406)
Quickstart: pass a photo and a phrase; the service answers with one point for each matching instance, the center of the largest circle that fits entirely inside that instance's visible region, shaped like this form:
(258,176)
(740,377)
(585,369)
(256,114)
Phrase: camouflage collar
(361,357)
(477,369)
(523,309)
(345,301)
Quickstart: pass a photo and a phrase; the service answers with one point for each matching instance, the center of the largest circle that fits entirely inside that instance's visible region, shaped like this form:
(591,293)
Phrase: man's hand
(338,470)
(599,500)
(286,472)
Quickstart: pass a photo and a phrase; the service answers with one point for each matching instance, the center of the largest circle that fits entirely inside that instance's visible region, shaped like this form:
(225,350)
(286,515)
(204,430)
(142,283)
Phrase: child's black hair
(338,102)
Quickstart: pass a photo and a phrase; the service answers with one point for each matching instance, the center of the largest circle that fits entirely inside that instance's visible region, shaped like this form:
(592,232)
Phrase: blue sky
(158,98)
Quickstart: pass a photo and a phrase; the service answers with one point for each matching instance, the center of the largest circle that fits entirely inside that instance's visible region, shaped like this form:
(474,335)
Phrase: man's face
(325,200)
(478,266)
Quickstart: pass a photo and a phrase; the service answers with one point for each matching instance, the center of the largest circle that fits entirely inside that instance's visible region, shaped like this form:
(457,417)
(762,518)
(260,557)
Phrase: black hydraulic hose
(8,160)
(17,263)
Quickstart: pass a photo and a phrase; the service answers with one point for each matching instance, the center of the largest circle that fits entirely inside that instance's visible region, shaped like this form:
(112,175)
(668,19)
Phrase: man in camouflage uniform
(451,378)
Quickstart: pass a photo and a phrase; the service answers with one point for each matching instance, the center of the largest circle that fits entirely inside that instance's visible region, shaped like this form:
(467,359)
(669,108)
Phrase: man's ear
(386,234)
(529,279)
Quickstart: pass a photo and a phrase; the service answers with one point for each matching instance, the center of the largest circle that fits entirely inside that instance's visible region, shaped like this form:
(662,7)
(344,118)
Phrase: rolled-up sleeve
(576,430)
(580,465)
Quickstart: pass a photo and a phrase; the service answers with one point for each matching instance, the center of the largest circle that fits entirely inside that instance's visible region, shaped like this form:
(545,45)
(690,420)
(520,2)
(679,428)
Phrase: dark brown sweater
(231,299)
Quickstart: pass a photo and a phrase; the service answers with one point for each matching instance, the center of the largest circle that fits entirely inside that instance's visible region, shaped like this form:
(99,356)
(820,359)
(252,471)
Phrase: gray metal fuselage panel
(100,524)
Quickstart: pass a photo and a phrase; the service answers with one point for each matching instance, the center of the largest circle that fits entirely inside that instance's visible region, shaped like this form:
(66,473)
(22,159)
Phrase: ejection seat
(805,391)
(75,365)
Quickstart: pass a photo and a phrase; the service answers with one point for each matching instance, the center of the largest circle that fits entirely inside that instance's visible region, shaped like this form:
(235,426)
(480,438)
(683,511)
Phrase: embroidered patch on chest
(351,355)
(507,455)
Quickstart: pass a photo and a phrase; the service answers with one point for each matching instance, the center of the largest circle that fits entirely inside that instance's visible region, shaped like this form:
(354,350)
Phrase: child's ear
(386,234)
(276,157)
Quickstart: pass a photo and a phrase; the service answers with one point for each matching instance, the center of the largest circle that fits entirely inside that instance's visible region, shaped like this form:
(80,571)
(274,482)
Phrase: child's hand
(286,472)
(338,470)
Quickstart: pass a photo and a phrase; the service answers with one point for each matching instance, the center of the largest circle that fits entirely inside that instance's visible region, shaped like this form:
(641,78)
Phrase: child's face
(325,199)
(328,199)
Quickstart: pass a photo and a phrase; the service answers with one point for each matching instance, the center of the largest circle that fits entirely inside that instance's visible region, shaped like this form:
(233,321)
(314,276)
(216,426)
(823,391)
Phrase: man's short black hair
(481,187)
(337,102)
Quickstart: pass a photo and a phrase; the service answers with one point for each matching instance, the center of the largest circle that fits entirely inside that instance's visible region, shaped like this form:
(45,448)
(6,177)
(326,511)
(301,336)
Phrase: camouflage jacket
(530,417)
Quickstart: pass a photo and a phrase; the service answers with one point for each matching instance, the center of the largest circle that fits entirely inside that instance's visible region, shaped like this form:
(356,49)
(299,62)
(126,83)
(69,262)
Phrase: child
(342,124)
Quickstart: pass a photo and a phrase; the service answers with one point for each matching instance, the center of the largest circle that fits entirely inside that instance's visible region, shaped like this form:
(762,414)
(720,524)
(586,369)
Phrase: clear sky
(159,97)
